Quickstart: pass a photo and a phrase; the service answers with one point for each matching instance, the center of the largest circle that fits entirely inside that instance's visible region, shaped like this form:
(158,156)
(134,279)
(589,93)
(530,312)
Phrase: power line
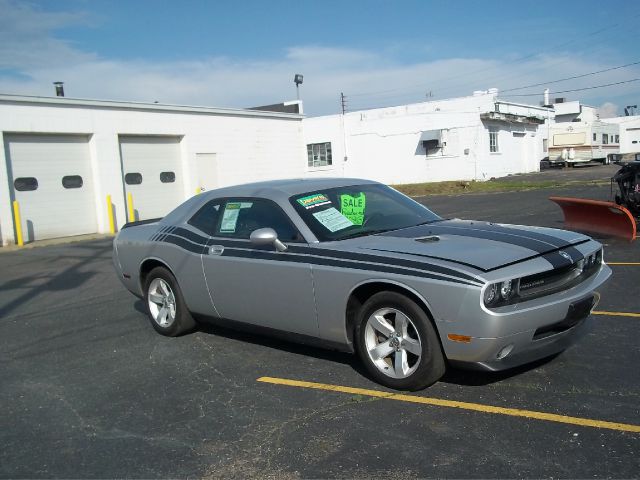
(517,60)
(573,90)
(570,78)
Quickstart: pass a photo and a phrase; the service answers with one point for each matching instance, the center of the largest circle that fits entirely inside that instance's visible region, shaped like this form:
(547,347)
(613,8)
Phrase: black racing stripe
(229,243)
(343,255)
(157,234)
(486,232)
(191,236)
(185,244)
(283,257)
(476,267)
(559,261)
(510,230)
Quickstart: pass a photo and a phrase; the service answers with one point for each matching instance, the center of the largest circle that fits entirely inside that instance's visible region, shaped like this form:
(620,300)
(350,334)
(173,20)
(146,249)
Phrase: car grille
(558,279)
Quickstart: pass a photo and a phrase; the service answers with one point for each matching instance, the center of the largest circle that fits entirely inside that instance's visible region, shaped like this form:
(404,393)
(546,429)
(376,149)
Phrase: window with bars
(493,140)
(319,154)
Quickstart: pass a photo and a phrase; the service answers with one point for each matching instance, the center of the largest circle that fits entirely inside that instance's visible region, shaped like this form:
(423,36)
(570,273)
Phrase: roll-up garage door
(152,174)
(50,176)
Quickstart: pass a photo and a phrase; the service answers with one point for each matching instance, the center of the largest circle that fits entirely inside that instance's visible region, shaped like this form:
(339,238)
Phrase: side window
(133,178)
(206,219)
(25,184)
(72,181)
(240,217)
(167,177)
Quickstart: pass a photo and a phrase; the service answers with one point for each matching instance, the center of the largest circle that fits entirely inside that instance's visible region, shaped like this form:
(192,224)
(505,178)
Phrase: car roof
(285,187)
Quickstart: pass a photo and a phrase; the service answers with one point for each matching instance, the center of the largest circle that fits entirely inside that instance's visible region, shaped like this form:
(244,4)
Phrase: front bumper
(554,324)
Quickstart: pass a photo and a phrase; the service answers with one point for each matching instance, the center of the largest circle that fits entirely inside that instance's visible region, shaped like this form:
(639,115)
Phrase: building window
(595,138)
(617,139)
(72,181)
(545,144)
(25,184)
(133,178)
(167,177)
(605,139)
(493,141)
(319,154)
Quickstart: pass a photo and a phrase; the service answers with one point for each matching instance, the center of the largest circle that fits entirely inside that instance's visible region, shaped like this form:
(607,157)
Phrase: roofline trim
(110,104)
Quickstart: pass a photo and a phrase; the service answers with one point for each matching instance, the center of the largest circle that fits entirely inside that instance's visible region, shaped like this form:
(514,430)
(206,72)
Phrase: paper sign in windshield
(352,207)
(230,216)
(314,200)
(333,220)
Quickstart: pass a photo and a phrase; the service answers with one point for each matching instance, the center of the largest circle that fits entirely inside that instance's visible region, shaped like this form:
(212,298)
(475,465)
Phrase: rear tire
(165,304)
(397,342)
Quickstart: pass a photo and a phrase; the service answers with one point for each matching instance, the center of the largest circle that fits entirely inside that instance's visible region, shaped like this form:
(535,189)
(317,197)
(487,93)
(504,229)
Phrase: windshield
(357,210)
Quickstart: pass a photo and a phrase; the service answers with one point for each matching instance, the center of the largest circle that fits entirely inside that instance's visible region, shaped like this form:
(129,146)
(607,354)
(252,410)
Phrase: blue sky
(379,53)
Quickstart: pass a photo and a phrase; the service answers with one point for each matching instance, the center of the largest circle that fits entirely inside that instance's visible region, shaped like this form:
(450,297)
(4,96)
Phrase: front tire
(165,305)
(397,342)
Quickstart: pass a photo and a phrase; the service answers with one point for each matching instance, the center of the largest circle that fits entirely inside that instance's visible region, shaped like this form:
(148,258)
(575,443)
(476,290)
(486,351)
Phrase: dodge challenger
(355,265)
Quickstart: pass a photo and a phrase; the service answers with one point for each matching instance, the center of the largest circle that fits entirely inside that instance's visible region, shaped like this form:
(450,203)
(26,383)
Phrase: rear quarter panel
(134,246)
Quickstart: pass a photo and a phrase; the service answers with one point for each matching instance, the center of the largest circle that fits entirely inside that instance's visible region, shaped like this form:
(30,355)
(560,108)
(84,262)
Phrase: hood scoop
(428,239)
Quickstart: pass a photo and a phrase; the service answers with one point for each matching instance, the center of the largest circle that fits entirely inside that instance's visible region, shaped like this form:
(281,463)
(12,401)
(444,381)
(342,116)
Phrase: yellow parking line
(616,314)
(623,263)
(514,412)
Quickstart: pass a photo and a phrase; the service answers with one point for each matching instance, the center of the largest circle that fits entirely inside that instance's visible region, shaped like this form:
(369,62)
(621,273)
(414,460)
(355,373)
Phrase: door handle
(216,250)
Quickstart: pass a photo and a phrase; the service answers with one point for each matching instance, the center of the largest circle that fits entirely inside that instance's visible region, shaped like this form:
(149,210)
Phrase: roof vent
(428,239)
(59,89)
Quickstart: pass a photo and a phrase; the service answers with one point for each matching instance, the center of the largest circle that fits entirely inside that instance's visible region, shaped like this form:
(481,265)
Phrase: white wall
(384,144)
(250,146)
(629,132)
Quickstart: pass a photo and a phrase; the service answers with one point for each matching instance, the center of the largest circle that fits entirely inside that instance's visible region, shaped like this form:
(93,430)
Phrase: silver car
(355,265)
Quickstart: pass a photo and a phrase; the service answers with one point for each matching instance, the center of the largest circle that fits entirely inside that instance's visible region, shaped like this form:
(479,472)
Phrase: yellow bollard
(16,214)
(112,224)
(132,213)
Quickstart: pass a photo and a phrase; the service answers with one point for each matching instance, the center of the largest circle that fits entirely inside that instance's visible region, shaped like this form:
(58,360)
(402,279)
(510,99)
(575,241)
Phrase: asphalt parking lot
(88,389)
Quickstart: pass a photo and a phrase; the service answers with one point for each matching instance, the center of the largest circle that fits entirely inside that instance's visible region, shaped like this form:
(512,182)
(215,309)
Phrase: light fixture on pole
(59,89)
(297,79)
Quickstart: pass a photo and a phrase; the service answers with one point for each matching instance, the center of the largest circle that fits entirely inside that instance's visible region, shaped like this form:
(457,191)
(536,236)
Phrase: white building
(62,157)
(629,132)
(469,138)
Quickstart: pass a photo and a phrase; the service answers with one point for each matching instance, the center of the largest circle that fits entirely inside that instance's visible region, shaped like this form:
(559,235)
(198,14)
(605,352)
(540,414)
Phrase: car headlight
(499,293)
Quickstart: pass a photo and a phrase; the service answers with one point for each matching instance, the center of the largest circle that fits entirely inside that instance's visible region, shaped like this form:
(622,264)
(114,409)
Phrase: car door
(258,285)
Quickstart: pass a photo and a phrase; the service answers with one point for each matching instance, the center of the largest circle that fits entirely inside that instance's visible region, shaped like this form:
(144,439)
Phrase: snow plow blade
(606,218)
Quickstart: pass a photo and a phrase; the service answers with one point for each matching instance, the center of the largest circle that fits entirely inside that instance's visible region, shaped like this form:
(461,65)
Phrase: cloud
(26,39)
(608,110)
(32,57)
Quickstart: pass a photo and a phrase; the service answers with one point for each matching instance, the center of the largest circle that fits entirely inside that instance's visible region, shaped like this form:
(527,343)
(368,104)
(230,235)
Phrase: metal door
(51,178)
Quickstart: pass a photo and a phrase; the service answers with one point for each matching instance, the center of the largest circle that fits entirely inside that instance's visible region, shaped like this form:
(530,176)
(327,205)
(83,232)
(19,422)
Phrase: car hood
(481,245)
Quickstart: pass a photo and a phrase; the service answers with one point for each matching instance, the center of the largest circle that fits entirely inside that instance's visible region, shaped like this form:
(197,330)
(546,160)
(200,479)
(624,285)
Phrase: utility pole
(343,102)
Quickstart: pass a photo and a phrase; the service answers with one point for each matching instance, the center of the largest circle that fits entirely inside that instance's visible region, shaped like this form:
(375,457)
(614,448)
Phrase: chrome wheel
(392,343)
(162,302)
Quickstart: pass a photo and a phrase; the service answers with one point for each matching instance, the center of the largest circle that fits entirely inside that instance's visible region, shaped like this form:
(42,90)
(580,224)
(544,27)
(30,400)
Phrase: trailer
(582,142)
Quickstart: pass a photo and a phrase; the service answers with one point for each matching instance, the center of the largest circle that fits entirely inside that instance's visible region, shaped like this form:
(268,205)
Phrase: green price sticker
(352,207)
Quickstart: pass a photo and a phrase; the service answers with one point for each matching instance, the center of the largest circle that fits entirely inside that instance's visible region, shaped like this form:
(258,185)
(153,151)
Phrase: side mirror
(267,236)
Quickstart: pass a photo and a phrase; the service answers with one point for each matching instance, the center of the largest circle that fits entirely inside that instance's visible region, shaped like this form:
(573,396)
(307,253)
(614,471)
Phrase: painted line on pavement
(616,314)
(623,263)
(514,412)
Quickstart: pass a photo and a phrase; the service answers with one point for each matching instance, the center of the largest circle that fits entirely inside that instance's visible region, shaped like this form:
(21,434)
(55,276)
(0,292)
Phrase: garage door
(152,174)
(50,176)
